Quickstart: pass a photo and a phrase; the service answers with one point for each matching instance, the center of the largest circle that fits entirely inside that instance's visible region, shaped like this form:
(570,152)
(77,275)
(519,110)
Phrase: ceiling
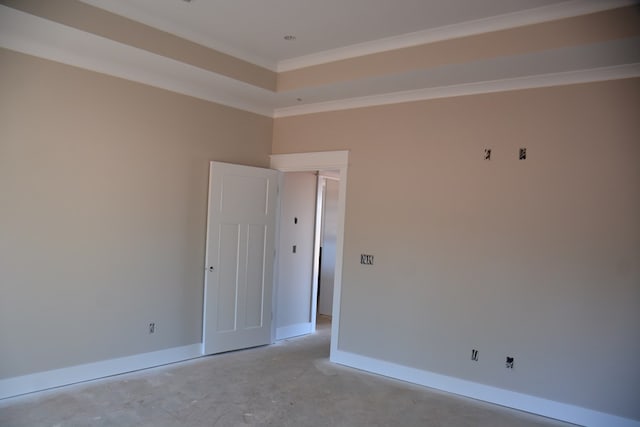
(254,30)
(327,31)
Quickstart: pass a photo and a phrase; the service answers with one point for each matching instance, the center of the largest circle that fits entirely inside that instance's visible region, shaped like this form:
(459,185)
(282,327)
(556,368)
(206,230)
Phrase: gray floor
(291,383)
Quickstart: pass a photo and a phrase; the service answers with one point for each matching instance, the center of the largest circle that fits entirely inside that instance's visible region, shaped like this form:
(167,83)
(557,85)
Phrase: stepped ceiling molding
(346,54)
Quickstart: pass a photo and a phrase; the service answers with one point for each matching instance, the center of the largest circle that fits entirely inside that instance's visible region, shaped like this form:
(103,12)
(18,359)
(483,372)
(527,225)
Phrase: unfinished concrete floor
(291,383)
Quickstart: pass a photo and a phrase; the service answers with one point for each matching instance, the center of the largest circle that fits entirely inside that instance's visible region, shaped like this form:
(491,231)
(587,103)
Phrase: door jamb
(320,161)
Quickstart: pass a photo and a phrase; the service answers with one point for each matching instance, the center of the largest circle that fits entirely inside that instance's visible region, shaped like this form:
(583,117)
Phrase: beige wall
(536,259)
(103,186)
(103,199)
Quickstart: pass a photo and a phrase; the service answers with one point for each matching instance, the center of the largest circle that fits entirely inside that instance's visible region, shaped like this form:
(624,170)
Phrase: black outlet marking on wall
(509,362)
(295,220)
(523,154)
(294,249)
(474,355)
(366,259)
(487,153)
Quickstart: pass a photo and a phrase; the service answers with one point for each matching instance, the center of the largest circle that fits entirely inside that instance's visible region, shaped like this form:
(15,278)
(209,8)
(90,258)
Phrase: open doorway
(332,165)
(306,252)
(294,287)
(326,237)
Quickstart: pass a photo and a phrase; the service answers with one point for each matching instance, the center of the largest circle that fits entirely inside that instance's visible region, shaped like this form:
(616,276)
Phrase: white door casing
(322,161)
(328,238)
(239,257)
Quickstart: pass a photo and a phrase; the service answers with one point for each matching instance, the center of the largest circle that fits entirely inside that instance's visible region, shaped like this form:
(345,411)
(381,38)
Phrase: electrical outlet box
(509,362)
(522,154)
(474,355)
(152,328)
(366,259)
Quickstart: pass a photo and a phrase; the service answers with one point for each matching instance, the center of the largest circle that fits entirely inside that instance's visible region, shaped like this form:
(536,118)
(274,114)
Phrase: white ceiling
(254,30)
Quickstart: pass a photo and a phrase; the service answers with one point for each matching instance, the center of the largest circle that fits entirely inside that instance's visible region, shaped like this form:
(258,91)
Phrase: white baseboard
(16,386)
(291,331)
(511,399)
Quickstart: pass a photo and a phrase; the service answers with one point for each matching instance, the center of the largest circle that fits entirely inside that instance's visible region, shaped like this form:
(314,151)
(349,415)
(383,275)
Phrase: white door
(239,257)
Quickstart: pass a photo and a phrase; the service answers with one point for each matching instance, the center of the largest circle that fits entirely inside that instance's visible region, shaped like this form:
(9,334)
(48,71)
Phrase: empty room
(319,213)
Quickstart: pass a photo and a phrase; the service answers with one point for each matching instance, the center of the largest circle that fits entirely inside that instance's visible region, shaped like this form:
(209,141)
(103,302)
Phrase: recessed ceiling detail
(250,29)
(589,47)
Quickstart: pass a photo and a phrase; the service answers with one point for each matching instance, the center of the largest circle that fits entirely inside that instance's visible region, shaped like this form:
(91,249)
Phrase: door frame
(311,162)
(321,192)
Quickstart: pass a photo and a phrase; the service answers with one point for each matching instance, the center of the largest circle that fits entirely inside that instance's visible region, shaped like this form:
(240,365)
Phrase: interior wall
(536,259)
(329,239)
(103,202)
(295,269)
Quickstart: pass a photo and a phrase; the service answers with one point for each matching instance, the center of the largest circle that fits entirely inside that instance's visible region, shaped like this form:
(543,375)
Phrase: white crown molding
(32,35)
(502,22)
(26,33)
(476,88)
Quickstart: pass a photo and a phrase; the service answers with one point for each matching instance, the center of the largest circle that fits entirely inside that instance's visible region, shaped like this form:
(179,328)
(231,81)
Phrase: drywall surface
(295,269)
(329,236)
(103,203)
(538,259)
